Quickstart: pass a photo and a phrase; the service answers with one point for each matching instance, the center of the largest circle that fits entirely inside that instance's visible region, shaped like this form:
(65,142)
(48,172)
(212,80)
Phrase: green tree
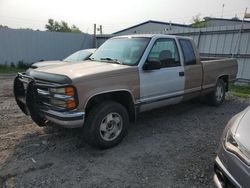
(198,22)
(75,29)
(3,26)
(235,18)
(62,26)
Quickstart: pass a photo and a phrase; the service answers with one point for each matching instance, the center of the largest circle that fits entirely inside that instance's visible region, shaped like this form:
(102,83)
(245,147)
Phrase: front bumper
(230,171)
(32,103)
(222,177)
(65,119)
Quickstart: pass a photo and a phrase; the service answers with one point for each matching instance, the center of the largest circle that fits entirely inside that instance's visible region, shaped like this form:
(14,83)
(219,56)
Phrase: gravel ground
(169,147)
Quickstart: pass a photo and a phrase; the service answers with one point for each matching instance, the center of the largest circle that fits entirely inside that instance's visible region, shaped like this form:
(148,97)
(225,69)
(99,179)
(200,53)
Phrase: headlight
(69,91)
(232,145)
(63,97)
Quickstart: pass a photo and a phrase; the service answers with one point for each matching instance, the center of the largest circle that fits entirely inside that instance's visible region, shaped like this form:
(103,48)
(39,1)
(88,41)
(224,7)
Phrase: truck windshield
(126,51)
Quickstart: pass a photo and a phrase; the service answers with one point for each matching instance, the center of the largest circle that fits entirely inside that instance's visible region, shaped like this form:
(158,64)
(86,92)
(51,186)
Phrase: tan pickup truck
(125,76)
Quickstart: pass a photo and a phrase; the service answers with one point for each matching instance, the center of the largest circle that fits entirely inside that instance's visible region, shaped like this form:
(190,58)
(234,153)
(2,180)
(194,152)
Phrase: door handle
(181,73)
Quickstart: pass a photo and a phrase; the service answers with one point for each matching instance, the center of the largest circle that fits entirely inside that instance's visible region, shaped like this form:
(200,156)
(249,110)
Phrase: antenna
(222,11)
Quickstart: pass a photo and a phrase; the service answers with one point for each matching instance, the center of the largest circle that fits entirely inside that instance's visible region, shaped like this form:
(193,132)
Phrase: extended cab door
(159,87)
(192,67)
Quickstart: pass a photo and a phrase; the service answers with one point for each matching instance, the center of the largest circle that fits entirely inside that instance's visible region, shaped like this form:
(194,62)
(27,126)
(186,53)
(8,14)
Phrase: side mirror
(152,64)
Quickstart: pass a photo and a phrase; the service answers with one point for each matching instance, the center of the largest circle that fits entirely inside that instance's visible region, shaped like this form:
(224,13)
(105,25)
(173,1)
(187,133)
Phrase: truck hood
(243,130)
(45,63)
(88,69)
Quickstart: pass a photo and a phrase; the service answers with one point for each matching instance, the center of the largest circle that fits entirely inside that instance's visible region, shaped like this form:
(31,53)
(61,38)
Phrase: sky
(113,15)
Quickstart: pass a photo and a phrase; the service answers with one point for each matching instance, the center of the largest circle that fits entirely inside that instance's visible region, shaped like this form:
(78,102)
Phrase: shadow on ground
(169,147)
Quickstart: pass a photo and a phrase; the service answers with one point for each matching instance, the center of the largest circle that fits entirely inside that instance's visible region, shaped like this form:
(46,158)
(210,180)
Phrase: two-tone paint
(148,89)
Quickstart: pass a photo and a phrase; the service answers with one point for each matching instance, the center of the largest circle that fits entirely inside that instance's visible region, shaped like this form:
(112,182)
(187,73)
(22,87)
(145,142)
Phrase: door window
(165,51)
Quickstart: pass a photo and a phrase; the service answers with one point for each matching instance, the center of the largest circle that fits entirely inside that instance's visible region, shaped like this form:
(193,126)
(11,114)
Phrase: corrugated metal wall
(224,41)
(31,46)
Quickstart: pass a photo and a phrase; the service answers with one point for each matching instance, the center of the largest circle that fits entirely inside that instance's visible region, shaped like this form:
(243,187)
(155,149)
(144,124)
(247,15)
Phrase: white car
(80,55)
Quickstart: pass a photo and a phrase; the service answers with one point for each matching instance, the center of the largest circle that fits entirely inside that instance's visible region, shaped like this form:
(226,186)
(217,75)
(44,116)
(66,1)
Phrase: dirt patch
(169,147)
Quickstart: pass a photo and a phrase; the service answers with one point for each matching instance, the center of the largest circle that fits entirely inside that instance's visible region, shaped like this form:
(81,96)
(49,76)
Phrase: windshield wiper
(91,59)
(112,60)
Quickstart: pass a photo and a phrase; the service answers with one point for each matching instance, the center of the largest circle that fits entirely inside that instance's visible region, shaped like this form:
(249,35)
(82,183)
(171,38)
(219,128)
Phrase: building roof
(153,21)
(224,19)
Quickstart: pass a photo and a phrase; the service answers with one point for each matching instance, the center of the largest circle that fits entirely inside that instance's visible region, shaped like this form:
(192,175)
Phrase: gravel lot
(169,147)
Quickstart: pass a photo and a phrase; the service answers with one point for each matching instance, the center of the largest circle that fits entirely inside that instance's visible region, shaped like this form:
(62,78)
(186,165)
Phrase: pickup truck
(125,76)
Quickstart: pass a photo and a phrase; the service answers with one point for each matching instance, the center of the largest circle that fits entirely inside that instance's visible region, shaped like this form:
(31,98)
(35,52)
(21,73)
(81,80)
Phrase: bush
(22,65)
(12,65)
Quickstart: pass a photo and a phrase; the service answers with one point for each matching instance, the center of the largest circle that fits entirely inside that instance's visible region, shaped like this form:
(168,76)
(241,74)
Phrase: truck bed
(213,68)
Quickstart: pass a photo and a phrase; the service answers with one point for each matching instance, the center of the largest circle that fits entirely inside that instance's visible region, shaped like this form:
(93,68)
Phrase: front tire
(106,125)
(217,97)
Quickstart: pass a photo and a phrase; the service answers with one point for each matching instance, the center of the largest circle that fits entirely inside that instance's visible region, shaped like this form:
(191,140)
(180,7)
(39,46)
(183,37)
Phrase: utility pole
(237,46)
(94,39)
(101,29)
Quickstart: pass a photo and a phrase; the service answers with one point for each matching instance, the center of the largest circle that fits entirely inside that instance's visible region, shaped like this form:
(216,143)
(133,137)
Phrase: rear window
(188,52)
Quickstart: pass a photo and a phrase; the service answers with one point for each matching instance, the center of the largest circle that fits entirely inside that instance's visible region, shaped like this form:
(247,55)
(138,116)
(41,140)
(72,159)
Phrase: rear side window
(188,52)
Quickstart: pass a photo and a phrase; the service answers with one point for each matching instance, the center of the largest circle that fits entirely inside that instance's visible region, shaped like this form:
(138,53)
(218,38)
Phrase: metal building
(215,22)
(151,26)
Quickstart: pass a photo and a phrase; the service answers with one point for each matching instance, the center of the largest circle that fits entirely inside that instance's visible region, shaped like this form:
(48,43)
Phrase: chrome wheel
(111,126)
(219,93)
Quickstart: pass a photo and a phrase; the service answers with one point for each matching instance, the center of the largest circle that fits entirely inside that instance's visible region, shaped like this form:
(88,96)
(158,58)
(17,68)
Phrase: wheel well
(122,97)
(225,79)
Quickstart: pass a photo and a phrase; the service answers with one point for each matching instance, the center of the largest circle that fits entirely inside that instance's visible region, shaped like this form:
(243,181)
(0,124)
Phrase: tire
(217,97)
(106,125)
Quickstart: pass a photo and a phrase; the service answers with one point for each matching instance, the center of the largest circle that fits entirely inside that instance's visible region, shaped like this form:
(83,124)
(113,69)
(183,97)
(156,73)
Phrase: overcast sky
(114,15)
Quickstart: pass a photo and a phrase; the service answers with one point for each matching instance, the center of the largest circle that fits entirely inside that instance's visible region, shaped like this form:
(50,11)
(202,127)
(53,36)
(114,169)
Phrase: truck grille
(40,97)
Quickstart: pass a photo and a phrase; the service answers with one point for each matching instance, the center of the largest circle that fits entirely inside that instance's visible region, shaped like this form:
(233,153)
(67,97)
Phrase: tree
(75,29)
(62,26)
(235,18)
(198,22)
(4,26)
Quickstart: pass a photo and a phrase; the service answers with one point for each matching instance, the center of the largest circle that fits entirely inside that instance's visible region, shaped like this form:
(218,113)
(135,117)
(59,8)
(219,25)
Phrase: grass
(240,91)
(10,69)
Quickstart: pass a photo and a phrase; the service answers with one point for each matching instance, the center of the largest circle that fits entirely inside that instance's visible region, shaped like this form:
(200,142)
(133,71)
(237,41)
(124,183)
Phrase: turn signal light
(71,104)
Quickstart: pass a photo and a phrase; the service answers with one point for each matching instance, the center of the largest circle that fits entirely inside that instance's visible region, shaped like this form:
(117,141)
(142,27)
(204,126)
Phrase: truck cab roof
(153,36)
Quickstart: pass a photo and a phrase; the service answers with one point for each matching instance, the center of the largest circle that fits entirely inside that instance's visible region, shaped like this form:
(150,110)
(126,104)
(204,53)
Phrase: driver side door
(162,86)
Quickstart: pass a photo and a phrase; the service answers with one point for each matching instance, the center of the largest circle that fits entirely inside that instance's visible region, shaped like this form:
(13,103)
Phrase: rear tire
(217,97)
(106,125)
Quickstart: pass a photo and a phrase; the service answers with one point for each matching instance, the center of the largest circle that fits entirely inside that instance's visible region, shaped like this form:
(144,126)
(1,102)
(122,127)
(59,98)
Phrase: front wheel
(217,97)
(106,125)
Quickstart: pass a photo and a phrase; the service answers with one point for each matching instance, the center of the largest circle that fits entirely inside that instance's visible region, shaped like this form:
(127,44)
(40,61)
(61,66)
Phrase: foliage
(22,65)
(4,26)
(10,69)
(13,68)
(61,27)
(198,22)
(235,18)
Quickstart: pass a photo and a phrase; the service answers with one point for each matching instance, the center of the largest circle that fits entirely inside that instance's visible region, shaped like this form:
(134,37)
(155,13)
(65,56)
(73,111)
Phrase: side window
(165,51)
(188,52)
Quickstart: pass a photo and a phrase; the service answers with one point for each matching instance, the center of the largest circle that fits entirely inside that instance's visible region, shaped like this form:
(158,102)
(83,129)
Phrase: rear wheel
(106,125)
(217,97)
